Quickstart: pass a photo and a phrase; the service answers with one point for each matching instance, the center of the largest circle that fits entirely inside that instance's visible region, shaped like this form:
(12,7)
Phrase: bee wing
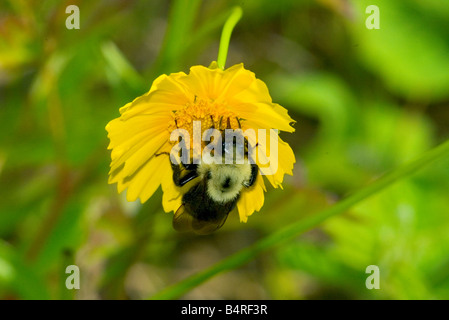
(207,227)
(184,220)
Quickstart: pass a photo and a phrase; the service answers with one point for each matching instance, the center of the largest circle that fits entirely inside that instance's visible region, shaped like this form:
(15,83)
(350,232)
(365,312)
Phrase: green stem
(229,25)
(179,29)
(294,230)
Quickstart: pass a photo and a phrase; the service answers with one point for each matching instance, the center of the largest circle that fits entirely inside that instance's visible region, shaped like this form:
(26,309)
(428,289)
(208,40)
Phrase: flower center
(210,114)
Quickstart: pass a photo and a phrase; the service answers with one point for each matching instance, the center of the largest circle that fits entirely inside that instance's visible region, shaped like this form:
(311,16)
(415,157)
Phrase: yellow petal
(124,134)
(257,91)
(124,181)
(146,181)
(144,152)
(251,200)
(272,166)
(266,116)
(217,84)
(165,93)
(172,196)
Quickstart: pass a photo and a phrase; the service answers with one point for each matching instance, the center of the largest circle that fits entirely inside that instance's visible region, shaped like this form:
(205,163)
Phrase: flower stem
(229,25)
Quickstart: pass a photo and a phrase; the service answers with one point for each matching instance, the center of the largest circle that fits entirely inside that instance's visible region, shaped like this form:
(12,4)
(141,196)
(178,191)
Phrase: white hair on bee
(225,181)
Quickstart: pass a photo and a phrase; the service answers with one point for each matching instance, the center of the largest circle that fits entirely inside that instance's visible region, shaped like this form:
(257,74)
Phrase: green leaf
(406,52)
(18,276)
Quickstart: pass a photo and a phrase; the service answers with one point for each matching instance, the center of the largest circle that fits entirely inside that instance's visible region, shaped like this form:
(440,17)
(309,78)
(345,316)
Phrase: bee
(207,203)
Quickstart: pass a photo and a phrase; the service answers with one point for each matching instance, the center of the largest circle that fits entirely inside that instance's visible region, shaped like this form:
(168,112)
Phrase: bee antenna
(228,123)
(238,121)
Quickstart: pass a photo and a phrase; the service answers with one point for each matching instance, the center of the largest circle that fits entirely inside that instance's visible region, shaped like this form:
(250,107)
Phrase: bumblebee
(206,205)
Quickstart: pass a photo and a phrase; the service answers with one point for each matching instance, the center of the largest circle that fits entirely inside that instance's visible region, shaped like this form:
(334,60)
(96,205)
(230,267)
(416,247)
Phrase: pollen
(209,113)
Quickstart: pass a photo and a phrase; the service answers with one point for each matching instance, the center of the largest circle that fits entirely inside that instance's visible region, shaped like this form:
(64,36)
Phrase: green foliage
(366,102)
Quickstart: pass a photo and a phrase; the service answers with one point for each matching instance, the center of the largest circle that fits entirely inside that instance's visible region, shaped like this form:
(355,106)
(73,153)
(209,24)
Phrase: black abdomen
(199,203)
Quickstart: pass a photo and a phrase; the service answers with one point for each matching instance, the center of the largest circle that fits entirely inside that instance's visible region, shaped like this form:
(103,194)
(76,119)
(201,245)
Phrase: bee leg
(188,177)
(219,124)
(190,166)
(213,122)
(180,181)
(254,173)
(159,154)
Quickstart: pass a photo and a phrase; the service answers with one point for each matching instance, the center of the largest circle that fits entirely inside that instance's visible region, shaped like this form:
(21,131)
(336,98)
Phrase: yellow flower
(210,95)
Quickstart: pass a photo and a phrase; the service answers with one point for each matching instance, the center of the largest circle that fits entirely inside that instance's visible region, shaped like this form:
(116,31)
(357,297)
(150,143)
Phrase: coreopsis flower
(140,137)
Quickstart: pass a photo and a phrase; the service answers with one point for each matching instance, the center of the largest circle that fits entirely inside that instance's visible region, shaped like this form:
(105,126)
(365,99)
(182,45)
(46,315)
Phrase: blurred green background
(365,102)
